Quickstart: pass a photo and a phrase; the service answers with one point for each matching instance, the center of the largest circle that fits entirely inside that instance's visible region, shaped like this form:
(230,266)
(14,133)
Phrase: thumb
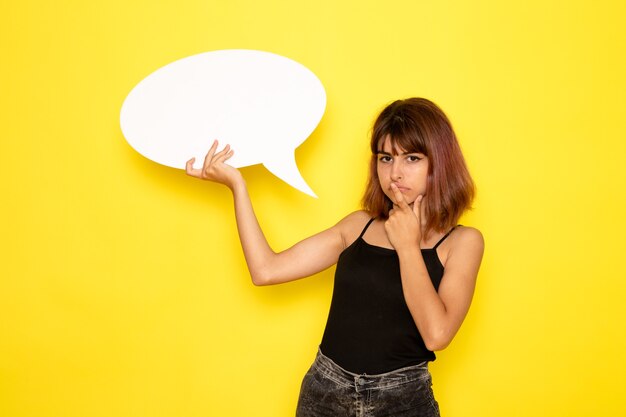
(189,165)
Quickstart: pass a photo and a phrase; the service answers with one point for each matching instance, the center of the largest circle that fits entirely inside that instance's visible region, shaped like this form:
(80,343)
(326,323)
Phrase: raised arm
(266,267)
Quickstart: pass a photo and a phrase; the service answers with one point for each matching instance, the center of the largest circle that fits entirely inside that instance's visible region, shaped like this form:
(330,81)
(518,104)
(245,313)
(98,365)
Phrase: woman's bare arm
(438,315)
(266,267)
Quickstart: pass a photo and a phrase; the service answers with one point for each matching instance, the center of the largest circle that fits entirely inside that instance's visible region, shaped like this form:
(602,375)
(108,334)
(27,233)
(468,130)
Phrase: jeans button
(361,381)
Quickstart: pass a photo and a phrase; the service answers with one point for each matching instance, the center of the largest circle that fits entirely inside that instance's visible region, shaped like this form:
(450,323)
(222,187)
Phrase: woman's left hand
(404,226)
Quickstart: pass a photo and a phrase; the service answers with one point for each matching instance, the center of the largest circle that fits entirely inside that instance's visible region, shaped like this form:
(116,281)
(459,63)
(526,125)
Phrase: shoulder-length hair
(419,125)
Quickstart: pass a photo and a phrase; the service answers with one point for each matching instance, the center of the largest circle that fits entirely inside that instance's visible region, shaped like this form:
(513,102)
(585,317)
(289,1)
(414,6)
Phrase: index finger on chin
(400,200)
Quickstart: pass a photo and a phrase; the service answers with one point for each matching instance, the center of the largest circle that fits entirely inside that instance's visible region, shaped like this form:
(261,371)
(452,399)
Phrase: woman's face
(408,171)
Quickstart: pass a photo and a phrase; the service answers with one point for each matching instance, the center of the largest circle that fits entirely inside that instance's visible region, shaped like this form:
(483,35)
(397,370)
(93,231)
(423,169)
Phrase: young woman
(405,275)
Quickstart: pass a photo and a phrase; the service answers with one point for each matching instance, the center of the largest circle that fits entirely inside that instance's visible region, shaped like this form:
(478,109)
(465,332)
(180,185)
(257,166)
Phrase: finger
(218,157)
(417,204)
(399,197)
(209,156)
(228,155)
(221,155)
(189,166)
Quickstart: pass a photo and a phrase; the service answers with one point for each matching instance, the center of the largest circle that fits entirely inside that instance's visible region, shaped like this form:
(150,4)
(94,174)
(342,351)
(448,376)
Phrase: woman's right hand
(214,168)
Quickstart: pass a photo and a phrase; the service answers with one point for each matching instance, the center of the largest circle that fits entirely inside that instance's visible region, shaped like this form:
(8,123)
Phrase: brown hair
(419,125)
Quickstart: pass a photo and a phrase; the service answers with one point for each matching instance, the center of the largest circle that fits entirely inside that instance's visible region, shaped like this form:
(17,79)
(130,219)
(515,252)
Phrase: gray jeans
(329,390)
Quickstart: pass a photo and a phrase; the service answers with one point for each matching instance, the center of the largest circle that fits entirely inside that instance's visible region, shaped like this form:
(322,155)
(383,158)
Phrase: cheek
(385,189)
(383,179)
(383,183)
(425,176)
(381,176)
(383,172)
(421,175)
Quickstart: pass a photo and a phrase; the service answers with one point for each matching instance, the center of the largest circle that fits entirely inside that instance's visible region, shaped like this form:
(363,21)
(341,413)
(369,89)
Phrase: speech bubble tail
(285,168)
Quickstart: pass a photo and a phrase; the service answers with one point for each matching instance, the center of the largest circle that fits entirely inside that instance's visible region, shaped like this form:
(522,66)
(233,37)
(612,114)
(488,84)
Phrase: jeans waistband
(344,377)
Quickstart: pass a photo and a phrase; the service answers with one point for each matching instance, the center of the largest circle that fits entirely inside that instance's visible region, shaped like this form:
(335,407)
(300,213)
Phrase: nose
(396,171)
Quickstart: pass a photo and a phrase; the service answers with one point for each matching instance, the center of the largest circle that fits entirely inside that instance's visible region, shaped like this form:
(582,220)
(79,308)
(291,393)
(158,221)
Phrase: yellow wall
(123,291)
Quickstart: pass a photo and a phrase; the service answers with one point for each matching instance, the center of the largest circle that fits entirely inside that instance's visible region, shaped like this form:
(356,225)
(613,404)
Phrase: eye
(413,158)
(384,158)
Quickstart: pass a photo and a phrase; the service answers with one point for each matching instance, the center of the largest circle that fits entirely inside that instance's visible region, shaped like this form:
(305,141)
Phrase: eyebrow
(399,154)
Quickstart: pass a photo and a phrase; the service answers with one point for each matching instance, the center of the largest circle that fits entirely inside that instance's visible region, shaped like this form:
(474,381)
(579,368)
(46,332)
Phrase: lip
(401,188)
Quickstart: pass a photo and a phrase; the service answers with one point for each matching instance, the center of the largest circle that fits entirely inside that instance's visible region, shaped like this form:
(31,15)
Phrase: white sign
(264,105)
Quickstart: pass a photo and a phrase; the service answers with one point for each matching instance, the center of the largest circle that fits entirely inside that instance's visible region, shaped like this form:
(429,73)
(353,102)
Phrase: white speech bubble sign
(264,105)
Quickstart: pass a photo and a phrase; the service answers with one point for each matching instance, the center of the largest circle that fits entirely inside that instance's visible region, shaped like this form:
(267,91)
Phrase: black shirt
(370,328)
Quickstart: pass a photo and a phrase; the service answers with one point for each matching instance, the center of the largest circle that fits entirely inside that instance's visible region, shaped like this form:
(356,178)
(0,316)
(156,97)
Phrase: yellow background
(124,291)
